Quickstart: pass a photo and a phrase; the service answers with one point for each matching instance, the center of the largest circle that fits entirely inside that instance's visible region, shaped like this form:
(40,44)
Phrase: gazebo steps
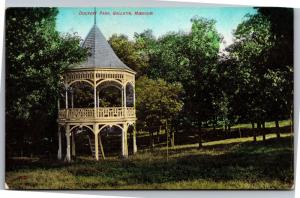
(92,147)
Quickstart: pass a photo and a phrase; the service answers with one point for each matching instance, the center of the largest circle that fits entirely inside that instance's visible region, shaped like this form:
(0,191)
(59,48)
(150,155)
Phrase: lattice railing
(80,75)
(102,112)
(130,112)
(81,113)
(111,74)
(111,112)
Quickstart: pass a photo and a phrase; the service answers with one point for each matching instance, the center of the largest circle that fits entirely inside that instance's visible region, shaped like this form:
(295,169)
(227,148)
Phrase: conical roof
(101,53)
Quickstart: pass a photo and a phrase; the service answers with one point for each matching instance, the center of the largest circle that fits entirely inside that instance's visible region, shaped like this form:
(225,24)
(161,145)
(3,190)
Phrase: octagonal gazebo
(101,70)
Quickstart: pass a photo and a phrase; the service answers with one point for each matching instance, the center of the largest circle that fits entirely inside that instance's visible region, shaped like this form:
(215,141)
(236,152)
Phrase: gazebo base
(71,128)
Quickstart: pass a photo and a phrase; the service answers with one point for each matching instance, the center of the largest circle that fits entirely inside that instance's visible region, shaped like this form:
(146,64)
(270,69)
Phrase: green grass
(228,164)
(282,123)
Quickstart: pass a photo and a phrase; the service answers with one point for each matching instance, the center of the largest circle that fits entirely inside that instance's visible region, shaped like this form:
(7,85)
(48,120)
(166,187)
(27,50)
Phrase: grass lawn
(282,123)
(228,164)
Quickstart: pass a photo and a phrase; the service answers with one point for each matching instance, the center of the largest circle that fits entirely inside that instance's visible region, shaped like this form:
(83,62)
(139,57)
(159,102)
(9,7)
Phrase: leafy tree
(264,88)
(190,58)
(203,49)
(170,59)
(252,41)
(130,52)
(36,57)
(157,102)
(280,60)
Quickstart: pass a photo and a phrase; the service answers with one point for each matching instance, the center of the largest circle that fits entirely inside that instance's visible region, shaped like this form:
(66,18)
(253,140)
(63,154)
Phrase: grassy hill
(236,163)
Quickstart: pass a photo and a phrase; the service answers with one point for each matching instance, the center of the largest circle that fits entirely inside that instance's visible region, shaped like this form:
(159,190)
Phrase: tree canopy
(182,77)
(36,57)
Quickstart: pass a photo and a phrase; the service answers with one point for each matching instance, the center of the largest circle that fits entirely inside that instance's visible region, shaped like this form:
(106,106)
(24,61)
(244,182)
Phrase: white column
(59,153)
(73,144)
(134,139)
(125,96)
(98,99)
(58,104)
(96,142)
(68,157)
(66,96)
(122,95)
(125,110)
(72,99)
(95,97)
(124,142)
(133,96)
(95,100)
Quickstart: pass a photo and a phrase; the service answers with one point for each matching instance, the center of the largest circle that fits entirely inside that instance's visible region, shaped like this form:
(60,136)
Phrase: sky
(162,20)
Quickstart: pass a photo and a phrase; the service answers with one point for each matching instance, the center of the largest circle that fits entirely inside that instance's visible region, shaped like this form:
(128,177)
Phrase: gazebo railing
(110,112)
(102,112)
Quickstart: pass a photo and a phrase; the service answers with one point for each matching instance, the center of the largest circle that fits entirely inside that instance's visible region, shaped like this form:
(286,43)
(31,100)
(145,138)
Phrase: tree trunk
(157,135)
(254,132)
(277,129)
(21,141)
(292,127)
(264,131)
(258,131)
(200,135)
(172,138)
(151,139)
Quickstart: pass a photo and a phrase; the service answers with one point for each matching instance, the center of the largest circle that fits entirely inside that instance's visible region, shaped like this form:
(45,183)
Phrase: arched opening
(130,138)
(81,95)
(82,142)
(111,140)
(63,142)
(109,94)
(129,95)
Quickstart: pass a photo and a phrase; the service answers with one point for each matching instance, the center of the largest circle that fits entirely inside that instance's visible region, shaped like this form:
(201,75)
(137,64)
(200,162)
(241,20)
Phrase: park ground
(232,163)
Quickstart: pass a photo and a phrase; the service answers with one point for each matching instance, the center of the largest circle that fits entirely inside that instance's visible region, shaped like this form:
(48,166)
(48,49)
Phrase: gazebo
(101,70)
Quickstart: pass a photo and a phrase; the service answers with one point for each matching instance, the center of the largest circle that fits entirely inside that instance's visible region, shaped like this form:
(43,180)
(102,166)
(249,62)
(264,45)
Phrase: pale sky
(163,20)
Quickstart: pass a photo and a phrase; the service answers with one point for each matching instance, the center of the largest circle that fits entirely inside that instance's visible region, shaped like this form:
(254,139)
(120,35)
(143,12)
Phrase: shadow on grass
(272,160)
(250,162)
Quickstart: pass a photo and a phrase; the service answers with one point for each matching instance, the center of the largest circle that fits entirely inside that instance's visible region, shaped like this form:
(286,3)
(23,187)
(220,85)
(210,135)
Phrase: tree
(264,87)
(36,57)
(252,41)
(169,59)
(281,61)
(157,102)
(130,52)
(203,49)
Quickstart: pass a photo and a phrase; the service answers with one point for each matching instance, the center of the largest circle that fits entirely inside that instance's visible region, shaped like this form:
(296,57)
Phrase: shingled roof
(102,55)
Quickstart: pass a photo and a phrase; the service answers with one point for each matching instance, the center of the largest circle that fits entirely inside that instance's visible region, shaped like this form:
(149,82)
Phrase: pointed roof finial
(95,15)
